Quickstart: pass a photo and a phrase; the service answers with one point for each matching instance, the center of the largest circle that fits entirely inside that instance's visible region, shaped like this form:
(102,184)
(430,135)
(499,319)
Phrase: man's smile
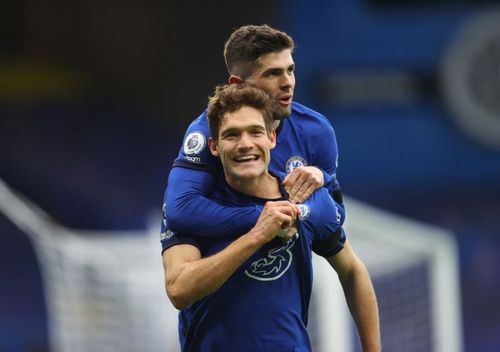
(246,158)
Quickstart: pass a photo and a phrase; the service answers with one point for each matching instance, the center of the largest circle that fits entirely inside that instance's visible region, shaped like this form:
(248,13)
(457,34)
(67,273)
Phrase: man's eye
(273,73)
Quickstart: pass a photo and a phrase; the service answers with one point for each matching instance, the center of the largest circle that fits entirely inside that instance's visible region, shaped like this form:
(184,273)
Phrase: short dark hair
(247,43)
(232,97)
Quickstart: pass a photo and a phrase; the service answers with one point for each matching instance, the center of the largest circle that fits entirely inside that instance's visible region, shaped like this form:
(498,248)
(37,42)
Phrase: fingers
(290,179)
(285,215)
(288,233)
(302,182)
(302,192)
(274,217)
(299,184)
(284,207)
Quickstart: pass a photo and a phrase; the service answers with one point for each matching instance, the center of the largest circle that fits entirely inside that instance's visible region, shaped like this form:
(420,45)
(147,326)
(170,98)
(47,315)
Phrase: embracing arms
(188,208)
(189,277)
(187,203)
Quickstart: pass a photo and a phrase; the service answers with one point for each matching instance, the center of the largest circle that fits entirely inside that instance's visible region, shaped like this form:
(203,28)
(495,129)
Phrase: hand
(288,233)
(302,182)
(275,216)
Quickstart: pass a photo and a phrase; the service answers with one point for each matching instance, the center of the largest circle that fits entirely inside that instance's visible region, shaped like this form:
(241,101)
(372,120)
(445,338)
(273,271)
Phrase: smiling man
(306,146)
(251,293)
(244,148)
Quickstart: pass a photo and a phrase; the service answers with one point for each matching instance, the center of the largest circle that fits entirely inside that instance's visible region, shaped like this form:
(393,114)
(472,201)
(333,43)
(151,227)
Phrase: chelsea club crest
(304,211)
(273,264)
(294,162)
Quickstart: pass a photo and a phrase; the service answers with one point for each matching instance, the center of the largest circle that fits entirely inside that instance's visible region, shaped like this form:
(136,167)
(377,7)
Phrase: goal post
(415,271)
(103,289)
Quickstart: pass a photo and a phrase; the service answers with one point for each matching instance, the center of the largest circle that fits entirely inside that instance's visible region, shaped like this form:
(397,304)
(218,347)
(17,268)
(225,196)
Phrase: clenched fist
(275,216)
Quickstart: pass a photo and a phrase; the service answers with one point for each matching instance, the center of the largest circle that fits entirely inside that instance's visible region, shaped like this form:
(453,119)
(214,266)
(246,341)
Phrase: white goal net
(104,290)
(415,271)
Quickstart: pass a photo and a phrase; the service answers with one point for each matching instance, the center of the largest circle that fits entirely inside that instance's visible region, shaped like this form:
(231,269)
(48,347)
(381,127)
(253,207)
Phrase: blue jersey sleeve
(194,152)
(169,238)
(321,213)
(188,210)
(326,156)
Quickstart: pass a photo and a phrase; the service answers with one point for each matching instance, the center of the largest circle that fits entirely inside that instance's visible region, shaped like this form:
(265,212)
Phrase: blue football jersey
(264,305)
(305,138)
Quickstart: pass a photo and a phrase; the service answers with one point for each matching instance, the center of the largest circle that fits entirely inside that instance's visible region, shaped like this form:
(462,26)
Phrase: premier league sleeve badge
(194,143)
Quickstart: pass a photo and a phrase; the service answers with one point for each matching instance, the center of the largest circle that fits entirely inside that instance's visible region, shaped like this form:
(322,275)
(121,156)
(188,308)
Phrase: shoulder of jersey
(200,125)
(202,119)
(304,112)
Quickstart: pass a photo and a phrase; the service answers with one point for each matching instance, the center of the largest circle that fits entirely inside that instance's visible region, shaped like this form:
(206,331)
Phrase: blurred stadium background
(95,97)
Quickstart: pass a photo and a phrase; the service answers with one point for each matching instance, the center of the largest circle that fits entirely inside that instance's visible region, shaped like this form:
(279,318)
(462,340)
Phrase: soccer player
(252,293)
(306,147)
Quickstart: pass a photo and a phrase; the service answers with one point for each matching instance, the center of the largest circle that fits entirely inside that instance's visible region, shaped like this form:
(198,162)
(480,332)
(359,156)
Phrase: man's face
(244,145)
(275,75)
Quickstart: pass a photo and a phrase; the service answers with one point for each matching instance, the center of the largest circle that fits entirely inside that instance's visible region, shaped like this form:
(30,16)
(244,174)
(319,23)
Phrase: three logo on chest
(274,264)
(277,261)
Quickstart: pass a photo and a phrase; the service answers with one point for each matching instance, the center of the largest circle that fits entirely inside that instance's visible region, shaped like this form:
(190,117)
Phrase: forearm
(200,216)
(190,211)
(199,278)
(362,302)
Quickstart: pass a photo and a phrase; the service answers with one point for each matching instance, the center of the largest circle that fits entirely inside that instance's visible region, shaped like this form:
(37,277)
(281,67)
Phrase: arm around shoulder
(188,208)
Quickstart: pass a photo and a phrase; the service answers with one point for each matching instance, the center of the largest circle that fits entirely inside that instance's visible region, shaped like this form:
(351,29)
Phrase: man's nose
(287,80)
(245,141)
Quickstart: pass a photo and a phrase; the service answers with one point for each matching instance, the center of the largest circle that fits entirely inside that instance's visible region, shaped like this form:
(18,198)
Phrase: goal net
(415,271)
(104,291)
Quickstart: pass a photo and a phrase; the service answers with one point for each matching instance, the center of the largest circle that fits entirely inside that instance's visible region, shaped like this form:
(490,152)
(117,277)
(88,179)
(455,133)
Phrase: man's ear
(272,138)
(212,144)
(235,80)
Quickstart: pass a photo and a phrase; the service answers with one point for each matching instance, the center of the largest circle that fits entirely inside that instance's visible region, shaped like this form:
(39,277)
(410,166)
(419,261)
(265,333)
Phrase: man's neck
(266,186)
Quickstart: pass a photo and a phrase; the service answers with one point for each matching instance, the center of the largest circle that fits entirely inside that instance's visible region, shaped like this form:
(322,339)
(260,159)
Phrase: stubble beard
(283,112)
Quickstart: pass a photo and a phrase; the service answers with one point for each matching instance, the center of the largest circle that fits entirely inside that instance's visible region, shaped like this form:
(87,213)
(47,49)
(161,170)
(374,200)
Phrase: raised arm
(360,296)
(189,277)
